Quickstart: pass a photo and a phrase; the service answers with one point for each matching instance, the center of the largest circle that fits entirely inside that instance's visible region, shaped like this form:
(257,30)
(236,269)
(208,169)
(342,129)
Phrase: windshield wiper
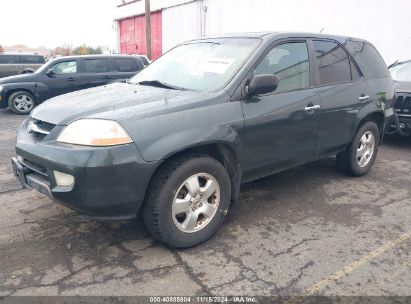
(394,64)
(157,83)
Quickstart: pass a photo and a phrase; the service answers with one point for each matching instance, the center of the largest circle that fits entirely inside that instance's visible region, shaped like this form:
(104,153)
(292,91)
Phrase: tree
(65,50)
(87,50)
(1,49)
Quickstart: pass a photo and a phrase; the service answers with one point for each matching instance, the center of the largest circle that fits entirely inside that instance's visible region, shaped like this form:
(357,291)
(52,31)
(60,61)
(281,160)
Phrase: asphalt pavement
(307,231)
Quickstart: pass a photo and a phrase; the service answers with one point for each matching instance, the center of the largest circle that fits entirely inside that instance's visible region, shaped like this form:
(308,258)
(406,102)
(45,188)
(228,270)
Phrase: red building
(132,32)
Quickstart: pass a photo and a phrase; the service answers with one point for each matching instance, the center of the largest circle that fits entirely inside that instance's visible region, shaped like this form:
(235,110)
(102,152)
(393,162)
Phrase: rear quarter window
(128,64)
(368,59)
(144,60)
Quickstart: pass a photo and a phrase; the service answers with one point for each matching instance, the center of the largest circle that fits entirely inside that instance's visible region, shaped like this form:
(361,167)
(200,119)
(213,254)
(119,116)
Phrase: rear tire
(359,156)
(187,201)
(22,102)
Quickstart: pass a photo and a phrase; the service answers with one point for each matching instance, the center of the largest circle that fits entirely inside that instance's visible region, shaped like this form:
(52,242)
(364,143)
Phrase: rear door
(95,72)
(343,92)
(30,63)
(126,67)
(280,127)
(64,79)
(9,65)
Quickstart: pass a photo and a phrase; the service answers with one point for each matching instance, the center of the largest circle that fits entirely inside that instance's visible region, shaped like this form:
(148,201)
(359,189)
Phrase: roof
(279,35)
(20,54)
(94,56)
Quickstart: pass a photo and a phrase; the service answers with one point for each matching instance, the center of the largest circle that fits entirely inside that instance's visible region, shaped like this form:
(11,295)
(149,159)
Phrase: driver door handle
(71,79)
(311,107)
(363,97)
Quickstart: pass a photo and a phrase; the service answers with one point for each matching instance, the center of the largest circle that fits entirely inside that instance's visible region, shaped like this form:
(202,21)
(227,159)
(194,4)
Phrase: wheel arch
(14,90)
(377,117)
(220,151)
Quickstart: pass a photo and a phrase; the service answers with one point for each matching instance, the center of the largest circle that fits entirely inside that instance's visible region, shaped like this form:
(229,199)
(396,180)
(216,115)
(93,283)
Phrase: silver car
(14,64)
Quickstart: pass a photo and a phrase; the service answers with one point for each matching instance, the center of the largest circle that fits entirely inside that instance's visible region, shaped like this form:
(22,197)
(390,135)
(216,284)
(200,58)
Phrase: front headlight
(94,132)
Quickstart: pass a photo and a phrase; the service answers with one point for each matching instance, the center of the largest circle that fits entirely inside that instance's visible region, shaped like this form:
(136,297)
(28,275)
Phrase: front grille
(44,125)
(39,129)
(403,104)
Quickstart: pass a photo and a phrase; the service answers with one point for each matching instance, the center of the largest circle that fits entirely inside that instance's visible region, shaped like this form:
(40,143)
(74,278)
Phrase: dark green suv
(179,138)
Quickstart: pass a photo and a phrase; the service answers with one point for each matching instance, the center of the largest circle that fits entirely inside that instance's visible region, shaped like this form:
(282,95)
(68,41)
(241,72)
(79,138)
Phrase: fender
(380,106)
(41,91)
(221,123)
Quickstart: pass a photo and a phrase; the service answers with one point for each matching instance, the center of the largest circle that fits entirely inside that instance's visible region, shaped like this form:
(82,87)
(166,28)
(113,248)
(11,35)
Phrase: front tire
(22,102)
(359,156)
(187,201)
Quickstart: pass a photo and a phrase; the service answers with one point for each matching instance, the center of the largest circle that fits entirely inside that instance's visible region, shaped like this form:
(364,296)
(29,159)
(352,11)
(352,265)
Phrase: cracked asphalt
(306,231)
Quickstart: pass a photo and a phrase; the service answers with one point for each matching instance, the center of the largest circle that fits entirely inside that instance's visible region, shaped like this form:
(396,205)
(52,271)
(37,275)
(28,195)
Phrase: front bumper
(3,100)
(401,125)
(110,182)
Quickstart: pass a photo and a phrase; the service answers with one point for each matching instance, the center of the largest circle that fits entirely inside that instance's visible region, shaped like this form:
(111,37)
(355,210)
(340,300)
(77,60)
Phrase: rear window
(8,59)
(128,65)
(368,59)
(144,60)
(31,59)
(333,62)
(98,65)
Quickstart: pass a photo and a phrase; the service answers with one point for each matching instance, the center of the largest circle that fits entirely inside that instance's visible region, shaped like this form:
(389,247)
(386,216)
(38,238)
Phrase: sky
(53,23)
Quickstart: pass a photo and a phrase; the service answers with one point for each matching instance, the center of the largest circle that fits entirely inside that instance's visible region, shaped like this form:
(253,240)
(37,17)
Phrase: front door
(63,79)
(280,127)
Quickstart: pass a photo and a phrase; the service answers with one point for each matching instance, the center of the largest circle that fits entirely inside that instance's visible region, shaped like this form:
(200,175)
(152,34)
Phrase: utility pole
(148,29)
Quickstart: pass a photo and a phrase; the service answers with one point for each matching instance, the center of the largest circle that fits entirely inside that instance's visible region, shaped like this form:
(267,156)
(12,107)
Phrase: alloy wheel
(365,149)
(23,103)
(196,202)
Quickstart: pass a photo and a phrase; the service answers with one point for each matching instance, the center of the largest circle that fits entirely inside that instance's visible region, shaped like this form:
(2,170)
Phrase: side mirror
(50,73)
(263,84)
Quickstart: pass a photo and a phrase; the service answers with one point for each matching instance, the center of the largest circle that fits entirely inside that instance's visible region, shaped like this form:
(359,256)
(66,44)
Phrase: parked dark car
(144,59)
(180,137)
(401,73)
(15,64)
(63,75)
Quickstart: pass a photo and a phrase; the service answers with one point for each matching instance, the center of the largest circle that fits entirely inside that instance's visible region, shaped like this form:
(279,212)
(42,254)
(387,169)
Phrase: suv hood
(19,78)
(117,101)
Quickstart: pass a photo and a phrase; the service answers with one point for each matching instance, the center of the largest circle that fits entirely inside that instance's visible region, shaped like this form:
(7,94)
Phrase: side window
(29,59)
(127,65)
(333,62)
(8,59)
(96,65)
(289,61)
(65,67)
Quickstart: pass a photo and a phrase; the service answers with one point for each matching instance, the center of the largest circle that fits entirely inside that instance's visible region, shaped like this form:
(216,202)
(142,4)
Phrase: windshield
(200,66)
(401,71)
